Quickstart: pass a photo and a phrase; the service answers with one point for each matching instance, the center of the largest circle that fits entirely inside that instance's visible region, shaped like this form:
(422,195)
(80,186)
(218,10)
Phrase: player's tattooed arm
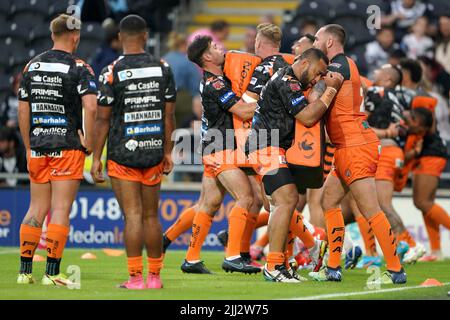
(243,110)
(317,91)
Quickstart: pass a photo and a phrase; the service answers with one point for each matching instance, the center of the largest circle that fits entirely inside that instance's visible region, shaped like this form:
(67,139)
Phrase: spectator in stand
(249,40)
(403,14)
(193,120)
(436,75)
(12,156)
(417,43)
(379,50)
(430,84)
(109,50)
(443,47)
(186,74)
(219,31)
(9,107)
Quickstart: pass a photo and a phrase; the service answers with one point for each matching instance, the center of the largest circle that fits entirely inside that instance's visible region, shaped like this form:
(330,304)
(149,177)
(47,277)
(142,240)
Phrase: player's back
(136,86)
(53,84)
(346,121)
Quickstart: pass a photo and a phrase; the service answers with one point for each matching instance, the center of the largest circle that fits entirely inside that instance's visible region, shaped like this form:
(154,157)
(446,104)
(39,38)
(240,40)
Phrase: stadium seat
(4,10)
(435,8)
(15,32)
(58,6)
(92,31)
(352,16)
(87,49)
(357,54)
(39,33)
(321,11)
(27,11)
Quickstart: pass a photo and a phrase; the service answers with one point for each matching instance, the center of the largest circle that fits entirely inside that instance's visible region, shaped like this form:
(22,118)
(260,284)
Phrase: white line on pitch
(348,294)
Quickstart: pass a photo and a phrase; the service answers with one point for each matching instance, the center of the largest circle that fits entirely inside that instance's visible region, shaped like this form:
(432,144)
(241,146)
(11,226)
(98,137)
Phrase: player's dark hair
(314,54)
(310,37)
(219,25)
(337,31)
(133,24)
(197,48)
(385,28)
(425,116)
(413,67)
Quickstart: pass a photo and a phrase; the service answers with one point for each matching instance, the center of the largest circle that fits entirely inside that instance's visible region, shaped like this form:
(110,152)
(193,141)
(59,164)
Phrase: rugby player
(387,116)
(136,113)
(430,162)
(56,86)
(281,103)
(219,158)
(356,156)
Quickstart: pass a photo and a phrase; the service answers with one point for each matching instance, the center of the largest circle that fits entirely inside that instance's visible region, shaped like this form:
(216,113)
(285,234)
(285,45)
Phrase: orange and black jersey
(136,87)
(217,122)
(264,71)
(346,121)
(280,101)
(53,84)
(384,108)
(433,145)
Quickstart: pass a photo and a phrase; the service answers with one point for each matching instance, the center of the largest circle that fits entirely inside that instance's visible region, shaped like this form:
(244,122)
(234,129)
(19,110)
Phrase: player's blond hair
(63,24)
(271,32)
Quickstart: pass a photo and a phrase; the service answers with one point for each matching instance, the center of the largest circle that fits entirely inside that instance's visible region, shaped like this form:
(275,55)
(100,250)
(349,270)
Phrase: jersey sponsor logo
(143,115)
(295,86)
(54,154)
(49,121)
(218,84)
(253,81)
(259,68)
(47,107)
(133,145)
(46,92)
(143,86)
(140,73)
(335,65)
(296,101)
(23,93)
(227,96)
(47,79)
(140,100)
(143,129)
(50,131)
(49,67)
(92,85)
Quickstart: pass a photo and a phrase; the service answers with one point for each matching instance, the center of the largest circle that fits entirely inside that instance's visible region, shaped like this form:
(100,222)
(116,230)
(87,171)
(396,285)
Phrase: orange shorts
(358,162)
(268,159)
(147,176)
(218,162)
(391,161)
(56,166)
(430,165)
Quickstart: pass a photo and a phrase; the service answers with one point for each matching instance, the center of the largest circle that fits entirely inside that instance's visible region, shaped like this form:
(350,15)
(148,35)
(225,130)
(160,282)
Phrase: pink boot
(154,281)
(134,283)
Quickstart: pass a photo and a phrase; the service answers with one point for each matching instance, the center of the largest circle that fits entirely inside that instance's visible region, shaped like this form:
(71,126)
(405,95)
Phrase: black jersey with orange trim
(346,120)
(280,101)
(264,71)
(136,87)
(53,84)
(433,144)
(217,122)
(385,108)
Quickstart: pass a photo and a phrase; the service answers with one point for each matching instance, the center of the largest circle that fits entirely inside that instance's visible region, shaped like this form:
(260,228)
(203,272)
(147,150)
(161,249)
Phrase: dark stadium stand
(24,32)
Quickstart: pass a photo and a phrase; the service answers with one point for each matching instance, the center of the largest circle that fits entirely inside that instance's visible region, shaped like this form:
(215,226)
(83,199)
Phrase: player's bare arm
(102,125)
(169,127)
(89,103)
(243,110)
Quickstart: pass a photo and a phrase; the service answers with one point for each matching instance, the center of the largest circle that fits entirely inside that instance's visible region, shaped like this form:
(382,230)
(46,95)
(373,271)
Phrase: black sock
(52,268)
(26,265)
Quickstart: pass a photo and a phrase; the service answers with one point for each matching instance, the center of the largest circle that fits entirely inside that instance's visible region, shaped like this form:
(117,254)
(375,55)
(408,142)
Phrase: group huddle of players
(263,142)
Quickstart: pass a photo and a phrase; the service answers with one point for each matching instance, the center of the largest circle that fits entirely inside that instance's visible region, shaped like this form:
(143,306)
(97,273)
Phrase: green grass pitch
(100,277)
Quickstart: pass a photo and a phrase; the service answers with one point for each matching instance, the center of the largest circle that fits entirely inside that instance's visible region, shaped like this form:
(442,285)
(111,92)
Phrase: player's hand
(87,145)
(97,171)
(392,131)
(334,80)
(167,164)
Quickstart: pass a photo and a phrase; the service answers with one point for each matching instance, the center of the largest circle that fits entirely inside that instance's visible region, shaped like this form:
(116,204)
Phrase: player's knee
(422,204)
(245,201)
